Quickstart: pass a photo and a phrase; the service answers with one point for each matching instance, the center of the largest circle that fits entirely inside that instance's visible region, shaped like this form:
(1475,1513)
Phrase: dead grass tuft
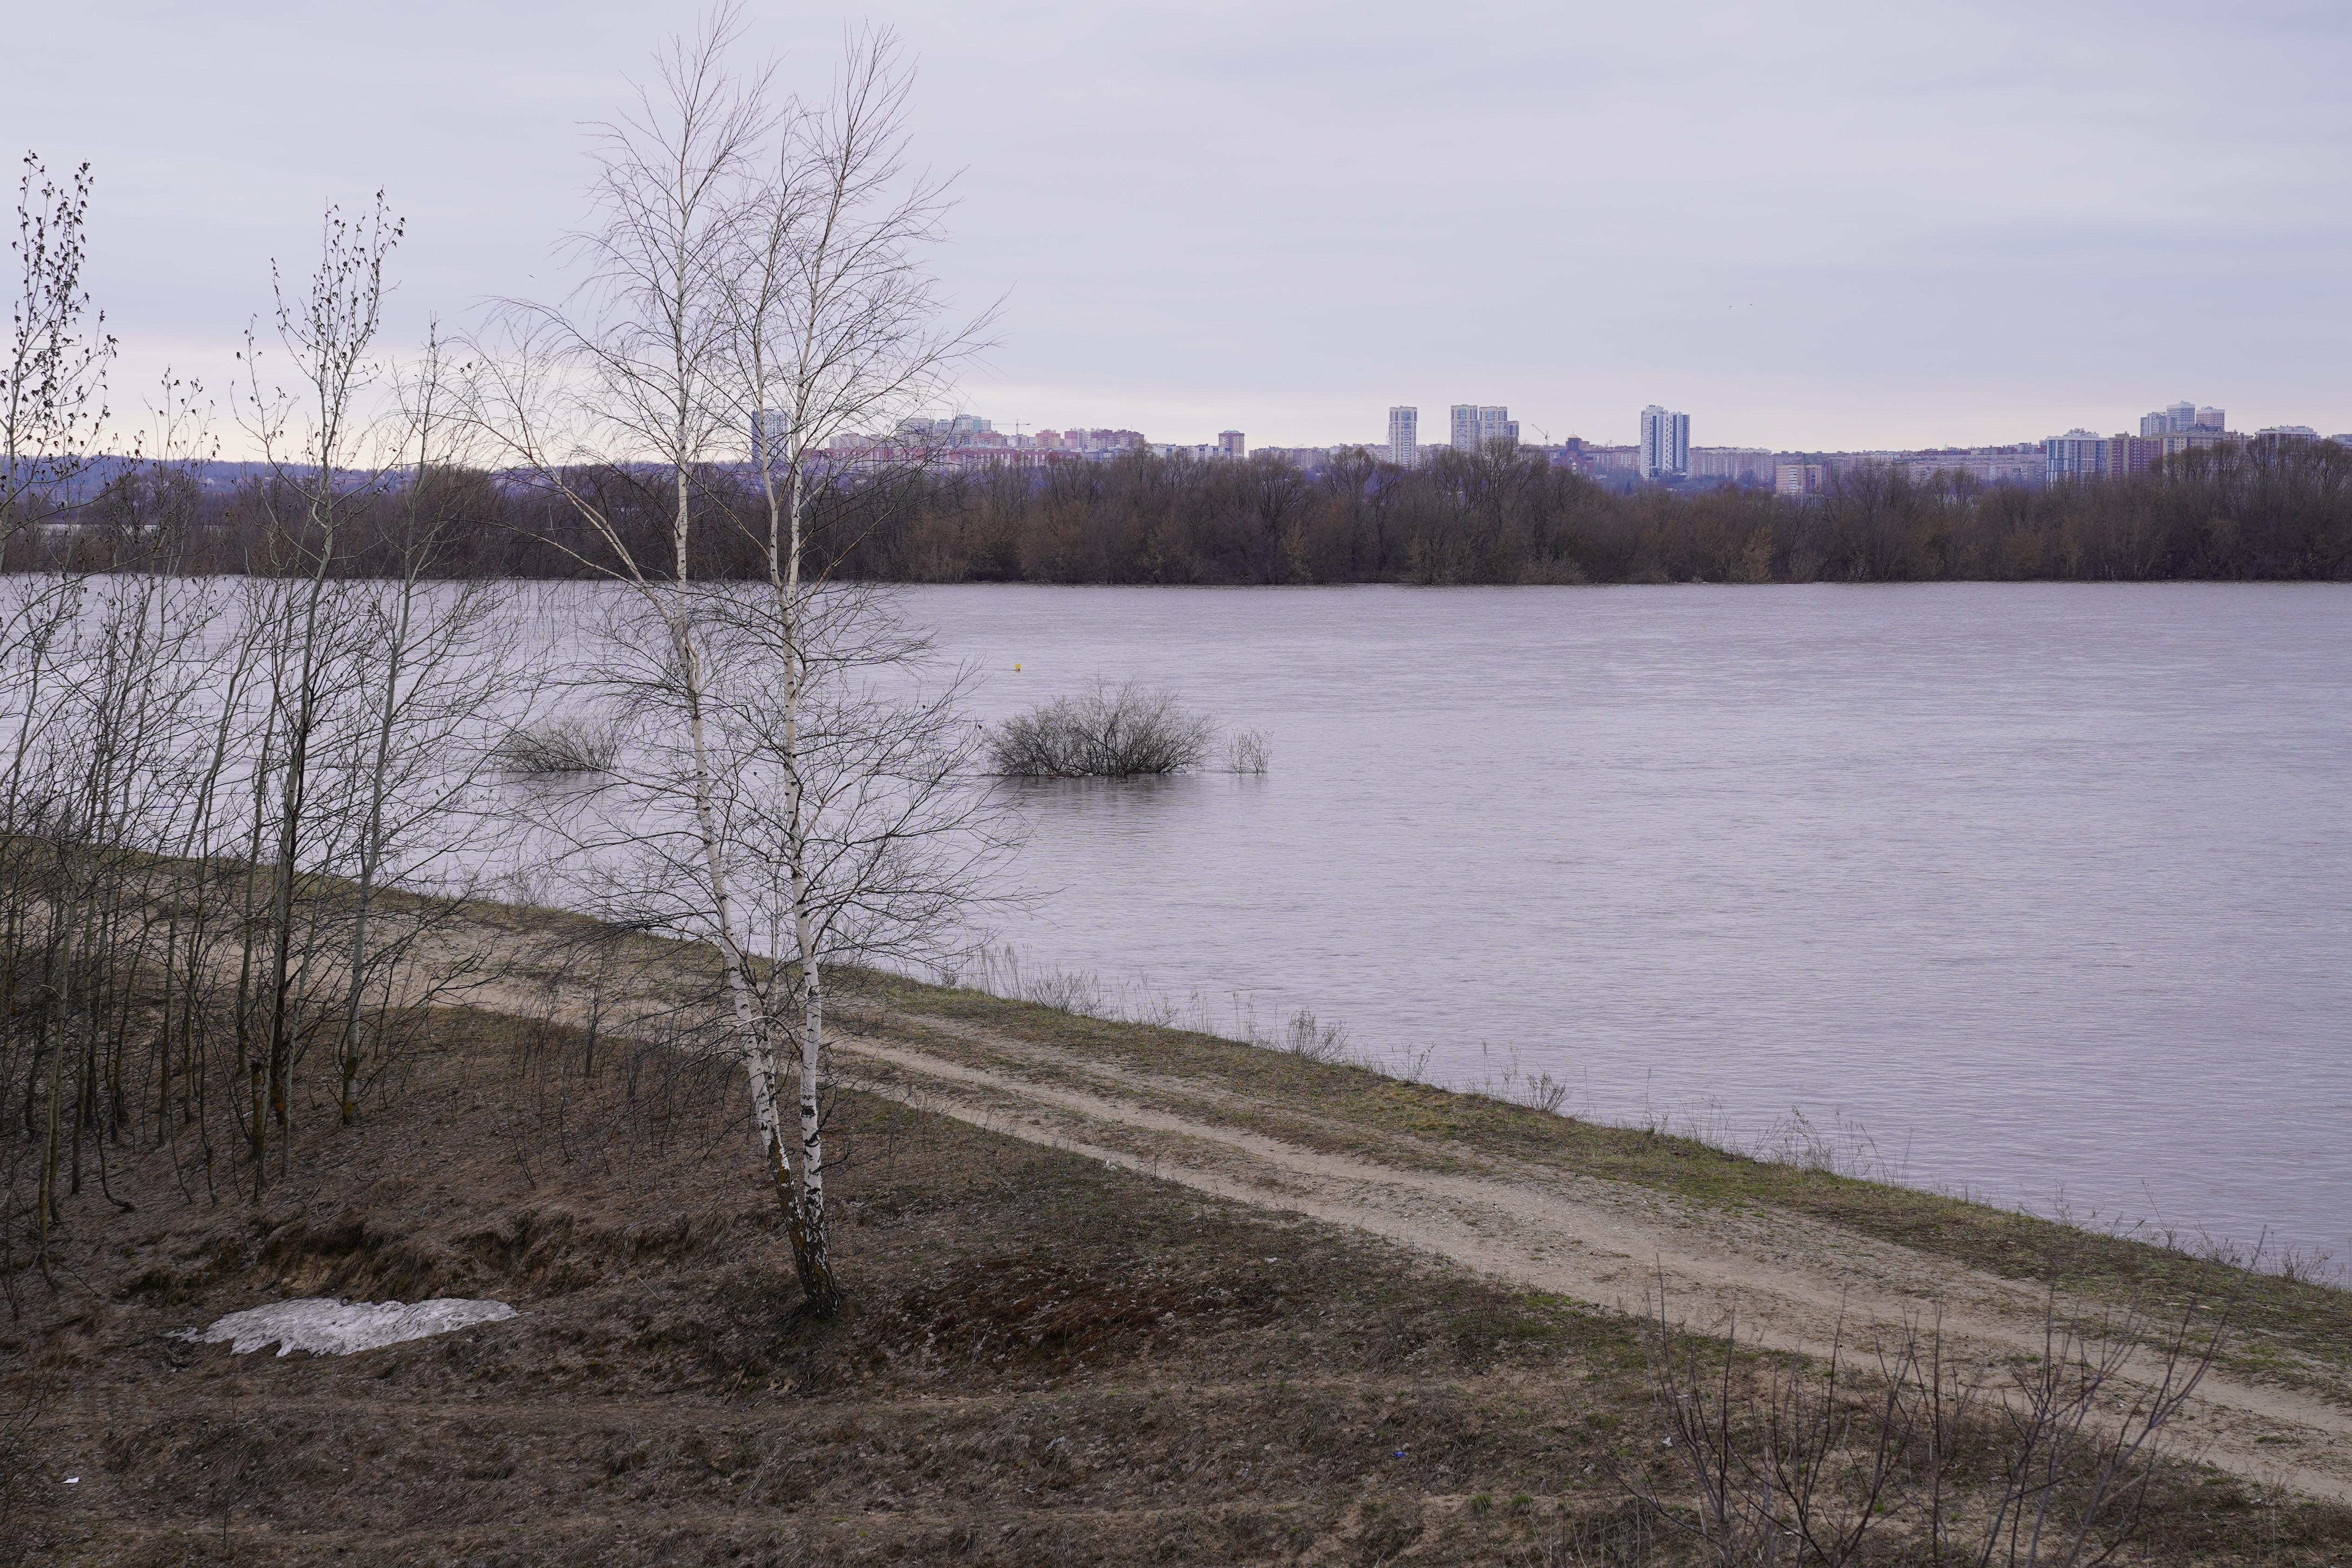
(999,1307)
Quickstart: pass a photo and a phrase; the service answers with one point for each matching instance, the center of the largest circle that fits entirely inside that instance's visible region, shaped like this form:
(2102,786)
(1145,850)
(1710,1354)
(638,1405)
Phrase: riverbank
(1119,1294)
(2295,1332)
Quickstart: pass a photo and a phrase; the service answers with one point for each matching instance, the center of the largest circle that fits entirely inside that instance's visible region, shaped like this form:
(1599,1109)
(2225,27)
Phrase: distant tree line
(2269,510)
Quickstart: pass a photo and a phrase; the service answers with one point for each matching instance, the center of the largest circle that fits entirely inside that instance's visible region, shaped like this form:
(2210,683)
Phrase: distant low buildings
(1740,465)
(2189,440)
(1088,442)
(1612,462)
(1313,460)
(968,440)
(2022,465)
(1798,481)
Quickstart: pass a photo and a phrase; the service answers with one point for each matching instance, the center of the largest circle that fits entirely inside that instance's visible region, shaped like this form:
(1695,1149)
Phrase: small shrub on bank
(555,748)
(1112,731)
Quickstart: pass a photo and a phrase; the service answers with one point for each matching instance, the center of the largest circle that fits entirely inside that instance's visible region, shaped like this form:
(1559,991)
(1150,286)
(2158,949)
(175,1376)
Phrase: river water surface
(2042,893)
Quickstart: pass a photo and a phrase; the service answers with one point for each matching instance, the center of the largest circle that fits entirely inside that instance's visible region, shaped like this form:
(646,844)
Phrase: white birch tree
(793,789)
(833,328)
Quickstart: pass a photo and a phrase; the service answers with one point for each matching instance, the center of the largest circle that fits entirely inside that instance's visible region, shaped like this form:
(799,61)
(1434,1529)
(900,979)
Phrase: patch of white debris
(325,1326)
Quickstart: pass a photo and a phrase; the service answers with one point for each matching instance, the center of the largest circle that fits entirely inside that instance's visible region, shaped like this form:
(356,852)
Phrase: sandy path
(1789,1279)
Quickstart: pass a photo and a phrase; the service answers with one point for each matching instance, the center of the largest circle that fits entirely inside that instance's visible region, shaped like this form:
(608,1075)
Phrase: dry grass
(1043,1361)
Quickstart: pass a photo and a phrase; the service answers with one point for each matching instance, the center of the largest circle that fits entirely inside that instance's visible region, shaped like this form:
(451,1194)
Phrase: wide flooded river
(2043,892)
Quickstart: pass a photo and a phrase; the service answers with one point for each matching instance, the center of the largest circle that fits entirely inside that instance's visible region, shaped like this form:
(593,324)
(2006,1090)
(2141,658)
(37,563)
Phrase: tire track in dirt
(1575,1237)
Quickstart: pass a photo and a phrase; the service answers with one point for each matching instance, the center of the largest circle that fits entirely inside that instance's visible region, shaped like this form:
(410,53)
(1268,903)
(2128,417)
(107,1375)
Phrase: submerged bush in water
(1110,732)
(1248,751)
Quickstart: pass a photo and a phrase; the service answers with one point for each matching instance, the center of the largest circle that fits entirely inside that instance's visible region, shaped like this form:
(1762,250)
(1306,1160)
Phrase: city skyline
(1470,426)
(1664,453)
(1962,301)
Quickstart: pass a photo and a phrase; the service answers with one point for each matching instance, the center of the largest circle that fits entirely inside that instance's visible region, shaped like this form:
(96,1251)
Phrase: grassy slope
(2296,1329)
(1044,1362)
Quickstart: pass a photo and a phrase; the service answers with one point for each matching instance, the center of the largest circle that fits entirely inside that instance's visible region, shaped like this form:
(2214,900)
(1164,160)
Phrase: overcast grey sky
(1817,224)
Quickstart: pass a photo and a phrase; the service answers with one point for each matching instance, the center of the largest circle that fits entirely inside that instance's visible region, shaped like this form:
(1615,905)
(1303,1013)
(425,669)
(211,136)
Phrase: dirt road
(1791,1280)
(1787,1281)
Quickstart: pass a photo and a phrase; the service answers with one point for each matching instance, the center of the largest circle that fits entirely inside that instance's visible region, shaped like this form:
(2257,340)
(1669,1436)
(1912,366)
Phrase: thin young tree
(314,439)
(833,326)
(52,407)
(721,284)
(435,660)
(622,384)
(53,383)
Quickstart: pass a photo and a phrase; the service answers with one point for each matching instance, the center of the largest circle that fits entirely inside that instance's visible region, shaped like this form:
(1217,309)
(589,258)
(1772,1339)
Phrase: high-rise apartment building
(767,437)
(1229,443)
(1477,423)
(1404,435)
(1666,443)
(2077,455)
(2182,419)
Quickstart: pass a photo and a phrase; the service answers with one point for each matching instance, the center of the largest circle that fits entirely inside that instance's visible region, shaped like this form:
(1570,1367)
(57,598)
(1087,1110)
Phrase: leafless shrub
(2310,1266)
(25,1535)
(556,748)
(1514,1084)
(1620,1540)
(1247,751)
(2048,1467)
(1113,732)
(1304,1036)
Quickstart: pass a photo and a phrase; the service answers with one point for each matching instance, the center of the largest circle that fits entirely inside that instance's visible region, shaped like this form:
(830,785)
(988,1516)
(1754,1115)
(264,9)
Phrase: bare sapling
(52,390)
(313,439)
(376,680)
(627,378)
(434,659)
(53,384)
